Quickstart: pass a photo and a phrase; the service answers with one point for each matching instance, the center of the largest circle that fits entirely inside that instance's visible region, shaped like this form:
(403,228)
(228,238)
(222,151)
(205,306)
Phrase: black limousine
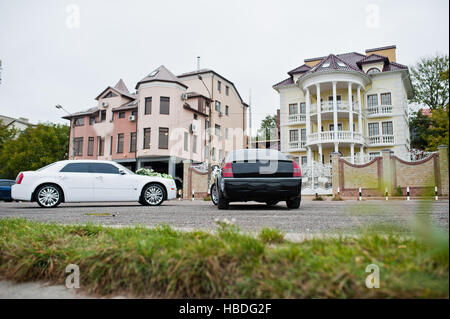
(261,175)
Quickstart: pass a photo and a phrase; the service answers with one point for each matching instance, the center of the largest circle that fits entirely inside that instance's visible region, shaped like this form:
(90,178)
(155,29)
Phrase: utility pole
(72,128)
(250,118)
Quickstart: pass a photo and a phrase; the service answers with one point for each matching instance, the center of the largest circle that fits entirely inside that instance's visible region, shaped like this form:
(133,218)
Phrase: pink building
(164,123)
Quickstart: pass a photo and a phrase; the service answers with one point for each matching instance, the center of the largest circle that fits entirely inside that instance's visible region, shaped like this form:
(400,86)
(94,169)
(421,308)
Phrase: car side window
(76,168)
(104,168)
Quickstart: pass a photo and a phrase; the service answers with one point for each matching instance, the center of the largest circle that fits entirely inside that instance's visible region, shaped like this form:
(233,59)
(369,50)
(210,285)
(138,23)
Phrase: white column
(320,153)
(309,155)
(335,117)
(308,113)
(350,112)
(336,147)
(361,154)
(352,153)
(359,111)
(319,109)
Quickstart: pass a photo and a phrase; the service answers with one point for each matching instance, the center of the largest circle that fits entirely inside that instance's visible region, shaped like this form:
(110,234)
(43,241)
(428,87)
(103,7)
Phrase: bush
(151,172)
(398,191)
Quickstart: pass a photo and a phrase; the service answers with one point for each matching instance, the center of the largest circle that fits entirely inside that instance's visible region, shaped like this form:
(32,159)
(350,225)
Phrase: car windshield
(125,169)
(255,155)
(45,167)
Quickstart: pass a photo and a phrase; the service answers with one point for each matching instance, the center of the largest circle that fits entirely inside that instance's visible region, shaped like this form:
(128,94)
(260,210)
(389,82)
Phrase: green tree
(431,88)
(267,125)
(419,125)
(34,148)
(7,134)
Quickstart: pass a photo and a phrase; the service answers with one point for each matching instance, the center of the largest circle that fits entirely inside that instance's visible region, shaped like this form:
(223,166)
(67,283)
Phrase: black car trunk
(274,168)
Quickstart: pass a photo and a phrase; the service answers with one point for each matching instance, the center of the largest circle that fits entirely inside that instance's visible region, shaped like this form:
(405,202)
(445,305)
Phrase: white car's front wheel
(48,196)
(153,195)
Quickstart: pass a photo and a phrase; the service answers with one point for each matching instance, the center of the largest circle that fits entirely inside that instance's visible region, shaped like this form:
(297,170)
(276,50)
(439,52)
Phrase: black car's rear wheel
(294,203)
(214,195)
(222,202)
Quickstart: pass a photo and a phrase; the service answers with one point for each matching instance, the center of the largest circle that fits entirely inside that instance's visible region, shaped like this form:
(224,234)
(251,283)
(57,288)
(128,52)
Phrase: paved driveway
(313,216)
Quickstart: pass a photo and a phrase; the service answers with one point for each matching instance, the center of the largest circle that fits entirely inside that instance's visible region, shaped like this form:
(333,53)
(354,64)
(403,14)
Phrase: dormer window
(326,65)
(373,71)
(341,64)
(153,73)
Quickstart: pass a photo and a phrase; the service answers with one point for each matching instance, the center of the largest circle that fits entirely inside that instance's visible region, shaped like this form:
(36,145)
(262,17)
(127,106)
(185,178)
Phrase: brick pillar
(443,168)
(387,171)
(335,178)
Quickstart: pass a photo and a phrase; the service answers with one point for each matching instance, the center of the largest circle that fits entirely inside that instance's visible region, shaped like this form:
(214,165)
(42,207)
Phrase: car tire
(214,195)
(294,203)
(272,203)
(222,202)
(152,195)
(48,196)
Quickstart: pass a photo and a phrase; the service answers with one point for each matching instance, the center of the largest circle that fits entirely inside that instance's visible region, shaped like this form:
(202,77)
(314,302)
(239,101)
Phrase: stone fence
(195,182)
(391,173)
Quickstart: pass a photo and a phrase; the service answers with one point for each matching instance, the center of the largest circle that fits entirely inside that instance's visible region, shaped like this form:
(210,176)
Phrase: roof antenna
(198,63)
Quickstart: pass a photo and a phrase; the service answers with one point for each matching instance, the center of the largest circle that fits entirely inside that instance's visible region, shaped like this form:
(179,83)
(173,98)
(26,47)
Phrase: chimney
(388,51)
(198,63)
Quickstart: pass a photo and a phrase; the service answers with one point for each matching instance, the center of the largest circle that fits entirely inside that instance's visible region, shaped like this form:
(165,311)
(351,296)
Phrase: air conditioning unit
(105,104)
(132,118)
(184,96)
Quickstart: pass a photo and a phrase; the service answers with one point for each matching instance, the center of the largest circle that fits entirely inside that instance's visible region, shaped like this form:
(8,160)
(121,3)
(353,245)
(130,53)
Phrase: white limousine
(90,181)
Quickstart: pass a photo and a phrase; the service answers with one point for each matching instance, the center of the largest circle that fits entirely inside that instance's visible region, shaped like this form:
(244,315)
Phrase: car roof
(6,180)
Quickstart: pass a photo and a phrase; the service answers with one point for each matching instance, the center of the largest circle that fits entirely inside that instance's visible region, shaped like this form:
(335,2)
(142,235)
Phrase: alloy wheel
(48,196)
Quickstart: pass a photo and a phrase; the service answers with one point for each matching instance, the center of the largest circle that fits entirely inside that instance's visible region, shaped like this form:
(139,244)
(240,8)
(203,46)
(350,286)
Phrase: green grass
(269,235)
(163,262)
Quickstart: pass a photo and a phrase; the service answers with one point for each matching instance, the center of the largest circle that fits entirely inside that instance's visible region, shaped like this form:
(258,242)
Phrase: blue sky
(48,60)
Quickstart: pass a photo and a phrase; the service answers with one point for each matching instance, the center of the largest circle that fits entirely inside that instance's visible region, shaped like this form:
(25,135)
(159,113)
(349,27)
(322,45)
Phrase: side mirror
(121,172)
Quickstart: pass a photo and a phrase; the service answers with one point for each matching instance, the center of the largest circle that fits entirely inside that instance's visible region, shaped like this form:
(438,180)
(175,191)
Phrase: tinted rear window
(104,168)
(255,155)
(76,168)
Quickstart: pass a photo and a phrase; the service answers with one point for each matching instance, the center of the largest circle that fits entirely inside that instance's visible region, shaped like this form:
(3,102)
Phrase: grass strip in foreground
(163,262)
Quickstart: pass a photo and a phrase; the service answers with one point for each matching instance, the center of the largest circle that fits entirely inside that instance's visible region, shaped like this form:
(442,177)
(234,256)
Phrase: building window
(110,94)
(134,113)
(111,145)
(213,153)
(303,134)
(92,120)
(186,141)
(339,127)
(293,108)
(373,70)
(372,100)
(195,116)
(148,105)
(100,145)
(374,129)
(112,116)
(227,90)
(164,105)
(121,115)
(78,146)
(226,132)
(133,140)
(217,106)
(103,116)
(90,146)
(79,121)
(219,86)
(220,155)
(387,128)
(304,160)
(194,144)
(385,99)
(147,138)
(163,138)
(217,130)
(120,138)
(227,110)
(303,108)
(293,135)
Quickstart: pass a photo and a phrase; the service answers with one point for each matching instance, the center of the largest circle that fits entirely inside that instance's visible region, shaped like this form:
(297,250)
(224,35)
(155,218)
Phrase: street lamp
(72,127)
(209,133)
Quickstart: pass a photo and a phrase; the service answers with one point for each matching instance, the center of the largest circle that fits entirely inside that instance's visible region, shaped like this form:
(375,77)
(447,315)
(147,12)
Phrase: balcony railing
(297,119)
(327,106)
(380,140)
(339,136)
(297,145)
(379,110)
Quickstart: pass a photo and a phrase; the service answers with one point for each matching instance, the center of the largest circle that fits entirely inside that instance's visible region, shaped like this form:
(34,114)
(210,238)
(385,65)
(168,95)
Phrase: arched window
(373,71)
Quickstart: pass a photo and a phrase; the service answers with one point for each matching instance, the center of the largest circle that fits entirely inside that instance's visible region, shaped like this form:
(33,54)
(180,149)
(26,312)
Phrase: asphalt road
(313,217)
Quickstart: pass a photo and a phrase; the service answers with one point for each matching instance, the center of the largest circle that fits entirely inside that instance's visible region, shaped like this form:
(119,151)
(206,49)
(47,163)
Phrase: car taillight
(227,170)
(297,170)
(19,178)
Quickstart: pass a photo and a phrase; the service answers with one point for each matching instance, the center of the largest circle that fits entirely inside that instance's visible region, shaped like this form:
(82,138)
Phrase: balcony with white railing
(333,137)
(379,111)
(380,140)
(297,119)
(295,146)
(327,106)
